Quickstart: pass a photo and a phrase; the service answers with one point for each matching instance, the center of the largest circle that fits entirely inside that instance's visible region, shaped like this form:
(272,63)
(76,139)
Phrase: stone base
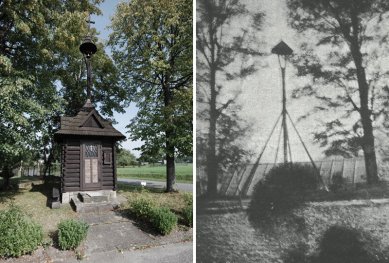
(110,195)
(93,202)
(93,197)
(95,207)
(55,205)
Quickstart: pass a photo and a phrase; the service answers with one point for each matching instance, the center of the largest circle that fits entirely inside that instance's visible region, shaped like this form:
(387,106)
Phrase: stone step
(93,198)
(85,207)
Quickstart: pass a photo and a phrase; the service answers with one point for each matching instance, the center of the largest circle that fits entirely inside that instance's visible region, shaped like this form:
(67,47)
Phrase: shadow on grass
(32,184)
(46,188)
(339,244)
(8,196)
(53,235)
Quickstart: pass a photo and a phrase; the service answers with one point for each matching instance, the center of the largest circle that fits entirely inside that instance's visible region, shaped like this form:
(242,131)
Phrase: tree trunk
(211,163)
(48,164)
(171,172)
(369,153)
(6,174)
(368,145)
(169,135)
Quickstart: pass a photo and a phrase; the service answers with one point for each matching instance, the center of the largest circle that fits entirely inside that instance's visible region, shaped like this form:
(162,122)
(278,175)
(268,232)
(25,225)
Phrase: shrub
(187,214)
(283,189)
(187,211)
(71,233)
(297,254)
(188,198)
(163,220)
(18,233)
(341,244)
(142,208)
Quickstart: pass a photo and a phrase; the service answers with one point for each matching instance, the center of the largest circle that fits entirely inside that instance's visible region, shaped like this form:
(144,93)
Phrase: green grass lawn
(33,201)
(184,172)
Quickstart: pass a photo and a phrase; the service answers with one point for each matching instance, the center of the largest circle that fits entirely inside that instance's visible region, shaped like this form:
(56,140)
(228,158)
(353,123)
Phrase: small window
(107,157)
(91,150)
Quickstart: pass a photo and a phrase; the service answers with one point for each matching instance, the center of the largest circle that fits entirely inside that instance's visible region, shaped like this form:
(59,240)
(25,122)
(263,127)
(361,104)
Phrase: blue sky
(102,22)
(262,92)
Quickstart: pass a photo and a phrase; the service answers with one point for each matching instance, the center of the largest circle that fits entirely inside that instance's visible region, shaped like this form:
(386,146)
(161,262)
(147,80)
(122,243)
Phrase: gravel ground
(229,237)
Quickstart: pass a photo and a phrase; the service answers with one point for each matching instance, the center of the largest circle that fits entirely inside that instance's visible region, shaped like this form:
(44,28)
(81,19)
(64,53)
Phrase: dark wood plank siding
(63,150)
(72,164)
(108,180)
(115,179)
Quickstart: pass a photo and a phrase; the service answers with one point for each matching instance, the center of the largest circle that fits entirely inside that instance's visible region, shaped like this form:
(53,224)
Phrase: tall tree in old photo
(220,45)
(342,54)
(152,46)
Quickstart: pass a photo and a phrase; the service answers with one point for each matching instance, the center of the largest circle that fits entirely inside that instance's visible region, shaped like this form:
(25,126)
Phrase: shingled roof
(88,122)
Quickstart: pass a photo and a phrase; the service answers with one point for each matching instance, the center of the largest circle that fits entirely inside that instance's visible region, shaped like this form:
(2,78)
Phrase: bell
(88,48)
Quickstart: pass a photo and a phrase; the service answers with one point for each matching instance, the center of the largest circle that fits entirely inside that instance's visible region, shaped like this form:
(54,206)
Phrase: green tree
(152,46)
(125,158)
(39,52)
(344,70)
(219,47)
(27,92)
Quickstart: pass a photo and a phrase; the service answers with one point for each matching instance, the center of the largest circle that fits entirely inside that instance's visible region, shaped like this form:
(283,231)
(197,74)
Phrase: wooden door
(91,175)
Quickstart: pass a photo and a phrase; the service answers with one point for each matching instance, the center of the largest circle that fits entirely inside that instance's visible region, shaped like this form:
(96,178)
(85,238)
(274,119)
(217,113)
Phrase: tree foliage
(343,65)
(222,52)
(125,158)
(152,46)
(40,67)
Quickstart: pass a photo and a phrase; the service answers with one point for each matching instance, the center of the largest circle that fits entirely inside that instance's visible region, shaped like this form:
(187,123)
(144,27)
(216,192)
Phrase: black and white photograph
(292,131)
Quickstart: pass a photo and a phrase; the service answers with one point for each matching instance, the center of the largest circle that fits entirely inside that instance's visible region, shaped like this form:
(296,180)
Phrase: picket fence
(238,182)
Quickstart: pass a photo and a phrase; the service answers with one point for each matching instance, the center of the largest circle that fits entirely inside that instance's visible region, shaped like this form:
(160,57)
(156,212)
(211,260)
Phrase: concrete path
(157,184)
(114,237)
(170,253)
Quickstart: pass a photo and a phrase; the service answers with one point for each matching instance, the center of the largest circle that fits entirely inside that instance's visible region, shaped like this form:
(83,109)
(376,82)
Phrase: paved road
(157,184)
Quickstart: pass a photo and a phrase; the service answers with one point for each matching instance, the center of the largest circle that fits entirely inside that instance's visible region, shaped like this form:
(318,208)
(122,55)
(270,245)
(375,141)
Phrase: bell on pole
(88,48)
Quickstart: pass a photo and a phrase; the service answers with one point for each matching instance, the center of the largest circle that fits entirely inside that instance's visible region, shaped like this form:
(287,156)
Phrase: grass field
(184,172)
